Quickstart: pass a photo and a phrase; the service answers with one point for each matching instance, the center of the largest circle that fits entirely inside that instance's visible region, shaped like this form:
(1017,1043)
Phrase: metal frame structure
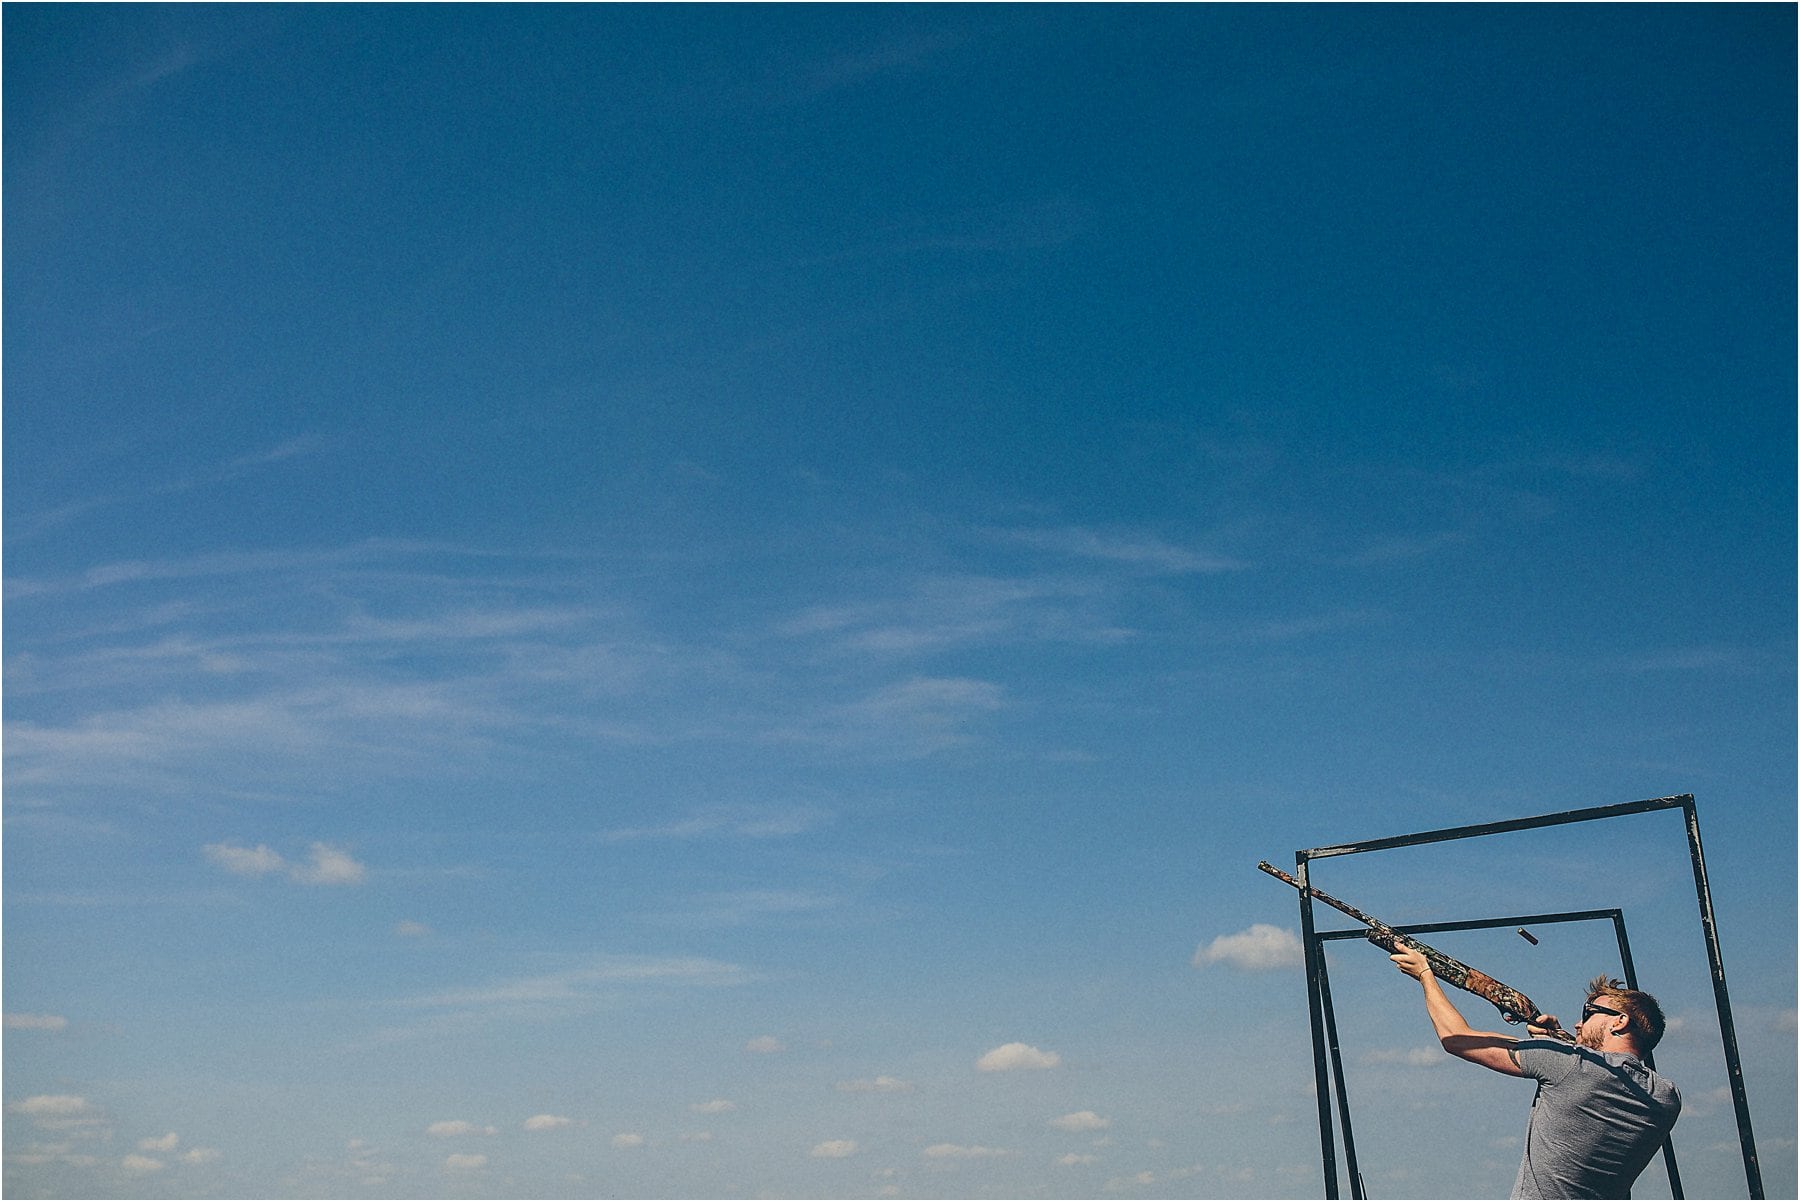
(1327,1062)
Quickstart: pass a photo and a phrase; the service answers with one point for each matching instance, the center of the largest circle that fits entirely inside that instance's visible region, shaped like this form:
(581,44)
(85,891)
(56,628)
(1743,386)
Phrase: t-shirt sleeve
(1545,1060)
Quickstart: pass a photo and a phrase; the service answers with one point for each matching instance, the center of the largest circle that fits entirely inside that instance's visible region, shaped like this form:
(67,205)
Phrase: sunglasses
(1588,1011)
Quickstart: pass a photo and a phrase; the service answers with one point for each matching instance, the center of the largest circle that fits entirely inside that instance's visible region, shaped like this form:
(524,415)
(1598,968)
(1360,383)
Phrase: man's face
(1596,1020)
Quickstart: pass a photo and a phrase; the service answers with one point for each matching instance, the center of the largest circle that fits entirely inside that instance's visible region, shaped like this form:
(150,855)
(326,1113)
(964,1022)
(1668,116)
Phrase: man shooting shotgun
(1600,1112)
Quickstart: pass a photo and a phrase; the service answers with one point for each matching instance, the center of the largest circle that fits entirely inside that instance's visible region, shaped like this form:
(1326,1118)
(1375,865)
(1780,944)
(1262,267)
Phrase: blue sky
(721,601)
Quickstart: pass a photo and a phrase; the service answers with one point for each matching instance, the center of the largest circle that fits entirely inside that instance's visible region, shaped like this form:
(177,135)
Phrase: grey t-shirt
(1597,1120)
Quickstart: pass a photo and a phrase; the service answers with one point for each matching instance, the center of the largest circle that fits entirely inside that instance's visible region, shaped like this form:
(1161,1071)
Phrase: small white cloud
(1262,948)
(1136,1179)
(160,1143)
(464,1162)
(330,866)
(56,1106)
(245,861)
(1081,1120)
(36,1022)
(141,1165)
(716,1106)
(200,1156)
(547,1122)
(1075,1158)
(457,1129)
(696,1137)
(875,1085)
(411,930)
(627,1139)
(961,1152)
(765,1045)
(833,1149)
(1011,1056)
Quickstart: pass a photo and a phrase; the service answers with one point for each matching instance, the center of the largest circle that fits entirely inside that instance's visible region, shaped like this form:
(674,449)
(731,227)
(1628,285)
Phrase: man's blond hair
(1647,1022)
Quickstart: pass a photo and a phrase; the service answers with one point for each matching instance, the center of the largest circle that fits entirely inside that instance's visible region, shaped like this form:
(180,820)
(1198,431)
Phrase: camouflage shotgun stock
(1514,1006)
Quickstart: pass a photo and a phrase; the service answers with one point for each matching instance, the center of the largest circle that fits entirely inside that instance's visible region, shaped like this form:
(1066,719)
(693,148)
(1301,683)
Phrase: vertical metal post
(1733,1066)
(1315,959)
(1668,1147)
(1337,1072)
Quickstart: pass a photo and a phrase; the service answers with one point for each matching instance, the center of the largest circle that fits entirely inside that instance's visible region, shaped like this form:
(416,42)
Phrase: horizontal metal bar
(1497,828)
(1517,920)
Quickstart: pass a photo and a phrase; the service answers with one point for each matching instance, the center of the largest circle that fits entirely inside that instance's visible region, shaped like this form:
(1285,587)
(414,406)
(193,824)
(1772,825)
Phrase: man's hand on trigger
(1412,962)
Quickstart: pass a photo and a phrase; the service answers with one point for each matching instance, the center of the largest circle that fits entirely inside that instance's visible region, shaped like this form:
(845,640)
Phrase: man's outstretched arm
(1486,1048)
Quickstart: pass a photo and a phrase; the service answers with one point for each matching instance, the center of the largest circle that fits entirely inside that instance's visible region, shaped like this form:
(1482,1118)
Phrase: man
(1600,1113)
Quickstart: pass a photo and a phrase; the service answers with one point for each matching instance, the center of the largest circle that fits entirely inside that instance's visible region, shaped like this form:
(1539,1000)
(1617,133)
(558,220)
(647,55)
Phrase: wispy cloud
(1126,548)
(293,448)
(727,822)
(941,612)
(581,984)
(325,865)
(918,716)
(36,1022)
(736,908)
(961,1152)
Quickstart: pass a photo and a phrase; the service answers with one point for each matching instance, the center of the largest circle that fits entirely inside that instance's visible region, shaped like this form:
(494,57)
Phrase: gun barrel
(1334,903)
(1513,1005)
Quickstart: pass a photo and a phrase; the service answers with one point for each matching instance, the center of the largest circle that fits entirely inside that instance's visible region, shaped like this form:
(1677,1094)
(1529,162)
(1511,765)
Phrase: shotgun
(1514,1006)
